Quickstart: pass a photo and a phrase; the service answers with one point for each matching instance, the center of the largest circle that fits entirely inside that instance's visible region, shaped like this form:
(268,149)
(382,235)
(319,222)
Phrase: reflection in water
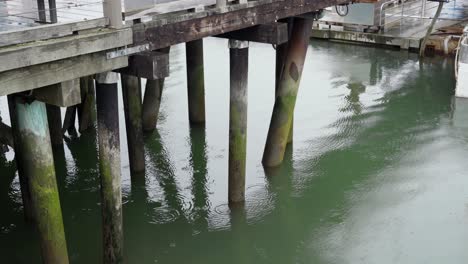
(378,141)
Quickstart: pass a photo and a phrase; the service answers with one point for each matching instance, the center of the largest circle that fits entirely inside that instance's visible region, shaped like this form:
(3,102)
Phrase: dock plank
(62,48)
(32,77)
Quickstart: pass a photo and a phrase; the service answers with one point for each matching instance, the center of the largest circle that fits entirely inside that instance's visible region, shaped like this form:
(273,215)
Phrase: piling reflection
(198,161)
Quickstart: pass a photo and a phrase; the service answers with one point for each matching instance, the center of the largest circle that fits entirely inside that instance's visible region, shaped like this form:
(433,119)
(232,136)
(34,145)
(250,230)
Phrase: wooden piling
(131,92)
(152,100)
(109,165)
(38,167)
(283,109)
(69,121)
(195,81)
(54,118)
(152,103)
(281,50)
(25,193)
(87,108)
(239,62)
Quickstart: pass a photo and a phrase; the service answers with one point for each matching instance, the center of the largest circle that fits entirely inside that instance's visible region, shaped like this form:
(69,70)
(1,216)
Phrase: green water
(377,172)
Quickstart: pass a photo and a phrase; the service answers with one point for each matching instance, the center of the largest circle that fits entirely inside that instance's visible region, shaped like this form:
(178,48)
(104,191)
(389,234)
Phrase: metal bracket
(127,51)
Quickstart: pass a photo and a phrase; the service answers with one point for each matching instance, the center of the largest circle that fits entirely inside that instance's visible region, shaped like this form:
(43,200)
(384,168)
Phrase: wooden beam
(171,30)
(272,33)
(41,75)
(62,94)
(61,48)
(18,36)
(150,65)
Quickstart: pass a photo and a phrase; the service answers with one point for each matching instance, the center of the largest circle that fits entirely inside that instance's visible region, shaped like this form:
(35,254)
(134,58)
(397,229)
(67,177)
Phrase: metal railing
(395,12)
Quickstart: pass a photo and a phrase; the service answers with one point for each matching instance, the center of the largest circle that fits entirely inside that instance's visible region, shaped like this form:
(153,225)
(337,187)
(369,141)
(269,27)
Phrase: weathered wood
(38,167)
(131,93)
(272,33)
(69,121)
(61,48)
(239,63)
(6,135)
(113,11)
(149,65)
(195,81)
(283,109)
(280,60)
(25,193)
(54,118)
(62,94)
(87,108)
(152,103)
(36,76)
(168,31)
(48,31)
(109,166)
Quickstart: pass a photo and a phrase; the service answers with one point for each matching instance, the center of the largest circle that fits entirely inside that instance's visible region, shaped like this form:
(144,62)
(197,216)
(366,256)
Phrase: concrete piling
(109,165)
(131,92)
(54,118)
(283,109)
(195,81)
(239,62)
(38,167)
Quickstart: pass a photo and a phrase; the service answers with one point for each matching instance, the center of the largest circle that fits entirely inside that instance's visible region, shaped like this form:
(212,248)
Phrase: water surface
(376,174)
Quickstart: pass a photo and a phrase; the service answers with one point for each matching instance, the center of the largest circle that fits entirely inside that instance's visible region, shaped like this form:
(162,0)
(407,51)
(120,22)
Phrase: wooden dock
(73,54)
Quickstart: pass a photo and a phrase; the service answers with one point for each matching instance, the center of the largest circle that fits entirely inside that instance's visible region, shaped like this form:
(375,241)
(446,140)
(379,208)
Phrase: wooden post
(109,165)
(54,117)
(151,103)
(25,193)
(195,81)
(131,92)
(221,3)
(283,109)
(113,11)
(87,108)
(281,50)
(69,121)
(38,167)
(239,62)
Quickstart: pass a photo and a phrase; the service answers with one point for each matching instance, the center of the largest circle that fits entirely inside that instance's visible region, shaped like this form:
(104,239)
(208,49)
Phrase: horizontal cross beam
(62,48)
(150,65)
(272,33)
(171,30)
(32,77)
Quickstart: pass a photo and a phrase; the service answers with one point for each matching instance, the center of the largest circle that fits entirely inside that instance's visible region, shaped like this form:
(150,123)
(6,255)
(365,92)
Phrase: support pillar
(38,167)
(283,109)
(151,103)
(87,108)
(131,92)
(109,166)
(25,193)
(195,81)
(54,118)
(69,121)
(152,100)
(239,62)
(281,50)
